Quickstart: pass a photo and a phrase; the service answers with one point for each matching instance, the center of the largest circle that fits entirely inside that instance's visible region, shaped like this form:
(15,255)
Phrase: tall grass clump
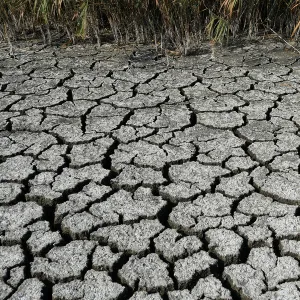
(171,23)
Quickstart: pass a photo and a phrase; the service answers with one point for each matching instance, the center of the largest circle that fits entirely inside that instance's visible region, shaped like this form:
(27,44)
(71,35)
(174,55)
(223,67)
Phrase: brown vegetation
(173,22)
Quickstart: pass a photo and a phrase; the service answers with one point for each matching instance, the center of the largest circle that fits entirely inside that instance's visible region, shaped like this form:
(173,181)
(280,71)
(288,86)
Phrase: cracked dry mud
(147,180)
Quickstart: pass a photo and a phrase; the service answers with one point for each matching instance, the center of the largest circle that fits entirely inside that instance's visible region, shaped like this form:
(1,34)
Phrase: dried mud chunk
(63,263)
(96,285)
(90,153)
(199,91)
(288,108)
(218,150)
(30,289)
(256,95)
(70,178)
(240,163)
(37,86)
(4,120)
(12,143)
(51,73)
(16,276)
(257,110)
(177,192)
(143,117)
(286,162)
(126,134)
(10,256)
(68,291)
(210,205)
(240,84)
(263,151)
(14,236)
(104,259)
(16,168)
(264,75)
(79,201)
(285,291)
(8,100)
(9,147)
(259,175)
(290,247)
(201,133)
(133,239)
(226,244)
(262,258)
(172,117)
(93,93)
(131,176)
(142,204)
(5,290)
(148,273)
(271,69)
(19,215)
(38,101)
(176,78)
(287,141)
(51,159)
(201,176)
(100,285)
(258,131)
(145,154)
(40,240)
(211,288)
(216,104)
(173,95)
(9,192)
(160,138)
(181,294)
(79,225)
(279,88)
(246,281)
(173,246)
(230,222)
(145,296)
(287,269)
(256,236)
(139,101)
(134,75)
(95,191)
(41,190)
(260,205)
(71,109)
(69,129)
(286,227)
(283,187)
(30,121)
(235,186)
(225,120)
(39,226)
(197,264)
(207,212)
(276,269)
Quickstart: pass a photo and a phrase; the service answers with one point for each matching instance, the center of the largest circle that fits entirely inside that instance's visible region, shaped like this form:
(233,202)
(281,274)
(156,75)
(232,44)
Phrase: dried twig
(294,48)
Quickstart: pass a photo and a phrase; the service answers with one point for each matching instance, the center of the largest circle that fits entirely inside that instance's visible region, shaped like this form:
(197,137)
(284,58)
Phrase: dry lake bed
(126,175)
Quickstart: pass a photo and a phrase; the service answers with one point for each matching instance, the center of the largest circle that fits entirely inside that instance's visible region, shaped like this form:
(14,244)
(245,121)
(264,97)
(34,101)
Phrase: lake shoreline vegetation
(172,24)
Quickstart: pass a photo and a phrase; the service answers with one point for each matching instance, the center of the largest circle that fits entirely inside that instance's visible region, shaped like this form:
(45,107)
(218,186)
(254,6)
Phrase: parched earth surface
(137,177)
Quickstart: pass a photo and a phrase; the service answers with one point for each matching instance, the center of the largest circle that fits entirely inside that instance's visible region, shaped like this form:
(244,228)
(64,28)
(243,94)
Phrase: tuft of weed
(171,23)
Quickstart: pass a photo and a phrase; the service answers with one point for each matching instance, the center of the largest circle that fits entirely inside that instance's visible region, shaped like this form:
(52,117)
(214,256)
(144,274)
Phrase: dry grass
(170,23)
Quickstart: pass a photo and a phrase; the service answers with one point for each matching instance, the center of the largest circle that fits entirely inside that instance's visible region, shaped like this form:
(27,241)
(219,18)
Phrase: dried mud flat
(147,181)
